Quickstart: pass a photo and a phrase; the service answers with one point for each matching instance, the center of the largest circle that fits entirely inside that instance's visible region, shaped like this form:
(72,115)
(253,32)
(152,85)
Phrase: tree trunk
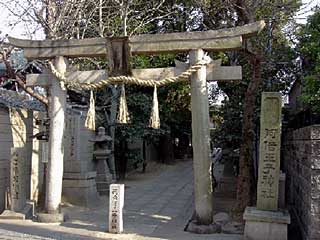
(246,184)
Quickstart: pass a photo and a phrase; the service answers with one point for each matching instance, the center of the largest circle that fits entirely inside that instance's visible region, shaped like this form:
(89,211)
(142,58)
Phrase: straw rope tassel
(90,122)
(154,121)
(123,115)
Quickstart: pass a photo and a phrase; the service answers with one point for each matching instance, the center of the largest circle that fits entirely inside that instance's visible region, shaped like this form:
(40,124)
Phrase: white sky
(22,30)
(306,9)
(19,29)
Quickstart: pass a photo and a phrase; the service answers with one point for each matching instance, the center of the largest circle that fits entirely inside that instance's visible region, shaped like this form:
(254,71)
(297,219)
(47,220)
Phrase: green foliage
(279,68)
(156,61)
(309,46)
(228,133)
(309,49)
(174,105)
(175,110)
(139,104)
(311,93)
(134,158)
(174,99)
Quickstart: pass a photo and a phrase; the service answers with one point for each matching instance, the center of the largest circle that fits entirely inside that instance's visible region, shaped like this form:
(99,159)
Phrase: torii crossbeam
(193,42)
(213,40)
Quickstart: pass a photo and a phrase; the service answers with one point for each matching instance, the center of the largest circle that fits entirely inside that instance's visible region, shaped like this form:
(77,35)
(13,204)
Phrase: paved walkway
(157,206)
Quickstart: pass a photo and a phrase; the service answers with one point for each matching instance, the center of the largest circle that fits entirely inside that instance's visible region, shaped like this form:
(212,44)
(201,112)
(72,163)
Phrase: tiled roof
(18,100)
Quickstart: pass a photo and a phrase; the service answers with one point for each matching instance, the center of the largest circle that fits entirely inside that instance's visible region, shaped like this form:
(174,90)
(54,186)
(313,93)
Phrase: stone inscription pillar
(57,109)
(201,141)
(265,221)
(17,179)
(269,156)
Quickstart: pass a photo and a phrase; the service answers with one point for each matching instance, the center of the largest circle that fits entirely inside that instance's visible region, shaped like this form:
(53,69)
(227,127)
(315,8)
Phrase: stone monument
(17,206)
(266,221)
(79,172)
(116,202)
(101,154)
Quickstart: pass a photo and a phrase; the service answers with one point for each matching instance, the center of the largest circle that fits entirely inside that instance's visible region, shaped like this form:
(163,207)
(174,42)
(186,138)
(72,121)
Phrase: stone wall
(151,151)
(301,162)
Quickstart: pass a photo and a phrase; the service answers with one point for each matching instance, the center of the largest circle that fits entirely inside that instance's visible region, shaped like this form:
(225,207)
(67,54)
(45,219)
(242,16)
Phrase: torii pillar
(201,141)
(57,109)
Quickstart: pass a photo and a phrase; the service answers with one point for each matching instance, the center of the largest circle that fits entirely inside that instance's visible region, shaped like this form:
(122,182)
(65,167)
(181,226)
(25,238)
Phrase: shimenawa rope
(123,115)
(127,79)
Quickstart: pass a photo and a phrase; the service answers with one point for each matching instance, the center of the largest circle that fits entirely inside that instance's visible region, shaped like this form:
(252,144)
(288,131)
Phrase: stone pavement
(157,206)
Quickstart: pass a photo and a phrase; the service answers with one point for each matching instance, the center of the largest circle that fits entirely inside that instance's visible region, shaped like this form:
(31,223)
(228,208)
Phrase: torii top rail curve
(212,40)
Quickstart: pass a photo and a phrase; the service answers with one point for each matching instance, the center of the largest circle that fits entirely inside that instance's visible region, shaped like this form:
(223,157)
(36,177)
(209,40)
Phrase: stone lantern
(101,154)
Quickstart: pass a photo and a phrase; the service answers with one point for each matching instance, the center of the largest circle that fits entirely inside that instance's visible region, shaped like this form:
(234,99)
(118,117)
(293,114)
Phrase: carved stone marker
(265,221)
(116,202)
(17,206)
(269,156)
(17,180)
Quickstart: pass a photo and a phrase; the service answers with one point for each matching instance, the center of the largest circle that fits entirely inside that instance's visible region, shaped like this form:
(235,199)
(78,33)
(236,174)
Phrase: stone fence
(301,162)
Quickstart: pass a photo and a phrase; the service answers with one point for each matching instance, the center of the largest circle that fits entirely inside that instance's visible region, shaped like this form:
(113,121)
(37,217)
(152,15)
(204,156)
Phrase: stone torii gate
(193,42)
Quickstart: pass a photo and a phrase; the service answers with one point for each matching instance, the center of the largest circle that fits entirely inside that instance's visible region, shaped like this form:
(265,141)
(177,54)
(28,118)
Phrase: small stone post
(16,200)
(57,109)
(201,142)
(17,179)
(116,202)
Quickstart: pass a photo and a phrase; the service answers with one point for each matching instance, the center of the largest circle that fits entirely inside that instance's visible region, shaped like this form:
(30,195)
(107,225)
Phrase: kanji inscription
(17,179)
(116,201)
(269,155)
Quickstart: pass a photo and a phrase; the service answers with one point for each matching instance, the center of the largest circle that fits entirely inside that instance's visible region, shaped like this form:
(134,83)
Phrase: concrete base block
(50,217)
(28,210)
(193,227)
(266,225)
(80,189)
(26,213)
(8,214)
